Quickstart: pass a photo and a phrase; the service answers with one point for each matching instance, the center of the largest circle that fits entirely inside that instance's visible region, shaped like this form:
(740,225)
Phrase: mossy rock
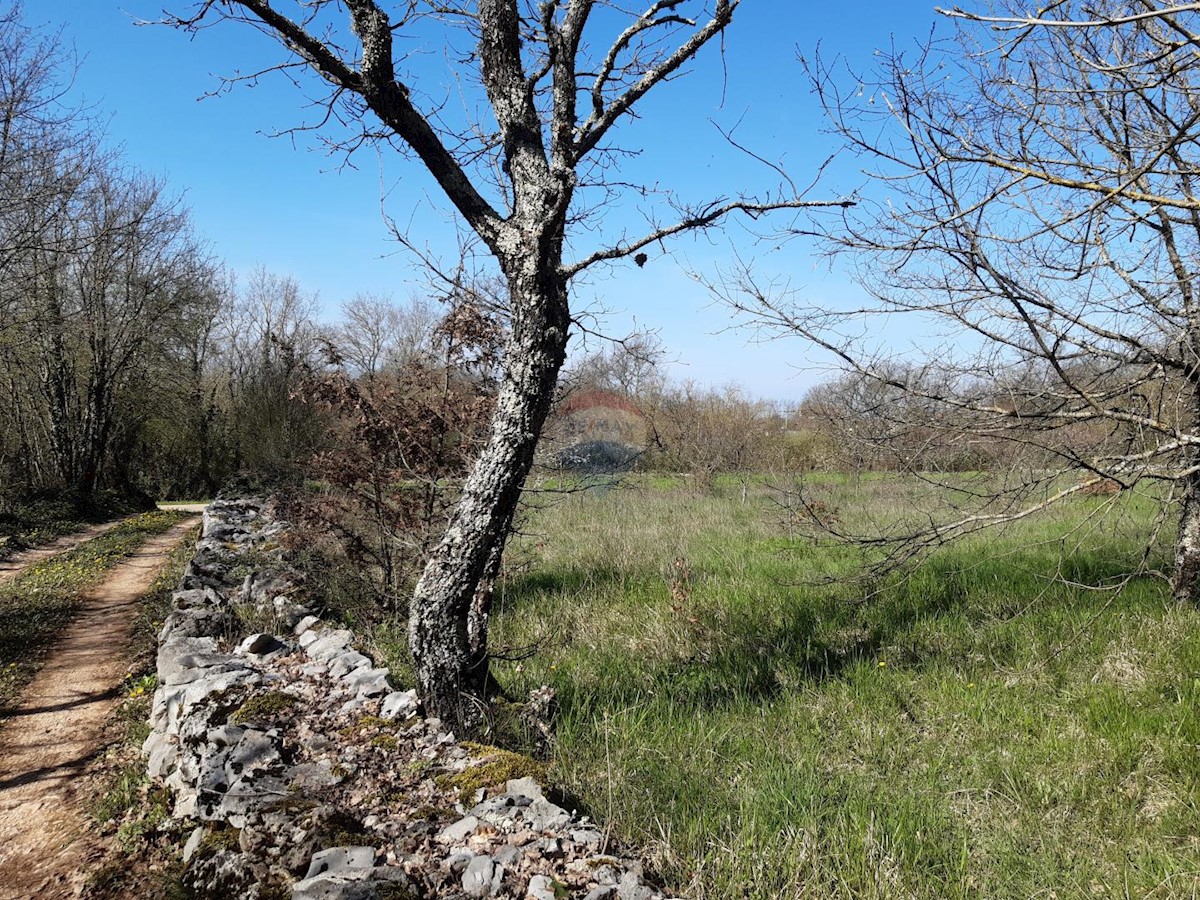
(496,767)
(385,742)
(263,706)
(427,812)
(220,840)
(419,767)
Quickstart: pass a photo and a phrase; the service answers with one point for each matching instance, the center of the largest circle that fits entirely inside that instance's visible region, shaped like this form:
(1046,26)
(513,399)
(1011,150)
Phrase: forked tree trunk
(1185,580)
(447,635)
(541,157)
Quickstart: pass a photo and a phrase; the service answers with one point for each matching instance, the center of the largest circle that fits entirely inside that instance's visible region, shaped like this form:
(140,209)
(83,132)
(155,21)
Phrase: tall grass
(988,725)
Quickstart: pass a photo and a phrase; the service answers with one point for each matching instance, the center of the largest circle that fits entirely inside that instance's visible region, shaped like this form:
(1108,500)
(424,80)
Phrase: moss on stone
(385,742)
(496,767)
(262,706)
(426,812)
(220,840)
(419,767)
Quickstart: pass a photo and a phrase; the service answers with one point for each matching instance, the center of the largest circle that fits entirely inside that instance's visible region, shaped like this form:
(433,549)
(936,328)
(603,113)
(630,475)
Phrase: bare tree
(377,333)
(48,150)
(632,366)
(270,338)
(557,78)
(401,442)
(705,431)
(98,268)
(1033,199)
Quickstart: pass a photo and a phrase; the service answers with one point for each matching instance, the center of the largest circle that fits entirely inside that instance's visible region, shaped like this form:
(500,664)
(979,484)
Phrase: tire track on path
(55,729)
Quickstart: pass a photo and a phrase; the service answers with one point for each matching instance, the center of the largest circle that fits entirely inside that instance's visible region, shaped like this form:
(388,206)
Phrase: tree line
(1034,191)
(131,360)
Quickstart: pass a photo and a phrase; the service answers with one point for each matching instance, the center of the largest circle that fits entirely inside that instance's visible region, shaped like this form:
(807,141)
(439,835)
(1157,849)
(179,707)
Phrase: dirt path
(57,727)
(17,563)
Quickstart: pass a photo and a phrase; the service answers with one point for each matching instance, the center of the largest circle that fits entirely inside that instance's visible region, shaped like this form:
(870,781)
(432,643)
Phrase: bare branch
(707,217)
(604,116)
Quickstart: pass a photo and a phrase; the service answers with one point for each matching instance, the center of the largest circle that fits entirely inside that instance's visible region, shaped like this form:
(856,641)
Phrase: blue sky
(285,204)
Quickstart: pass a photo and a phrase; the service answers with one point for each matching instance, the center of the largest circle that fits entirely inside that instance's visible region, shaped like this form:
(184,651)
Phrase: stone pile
(308,775)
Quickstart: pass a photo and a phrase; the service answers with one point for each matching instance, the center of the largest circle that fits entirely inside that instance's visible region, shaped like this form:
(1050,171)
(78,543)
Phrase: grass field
(986,727)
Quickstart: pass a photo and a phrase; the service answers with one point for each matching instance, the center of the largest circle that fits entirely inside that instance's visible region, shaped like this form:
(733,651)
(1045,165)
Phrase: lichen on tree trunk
(1185,580)
(448,617)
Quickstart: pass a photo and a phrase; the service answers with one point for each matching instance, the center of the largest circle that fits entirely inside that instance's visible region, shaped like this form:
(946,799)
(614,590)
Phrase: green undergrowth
(56,514)
(764,724)
(35,606)
(153,608)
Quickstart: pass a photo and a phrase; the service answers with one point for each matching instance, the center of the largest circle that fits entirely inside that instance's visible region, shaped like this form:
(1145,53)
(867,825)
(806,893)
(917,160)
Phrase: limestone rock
(339,860)
(300,797)
(258,644)
(478,877)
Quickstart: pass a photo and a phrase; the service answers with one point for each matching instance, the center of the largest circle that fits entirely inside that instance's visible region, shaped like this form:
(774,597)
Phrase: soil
(57,728)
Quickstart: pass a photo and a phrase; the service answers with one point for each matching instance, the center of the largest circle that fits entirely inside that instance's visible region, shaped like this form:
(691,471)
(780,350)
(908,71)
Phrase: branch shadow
(110,693)
(70,768)
(805,639)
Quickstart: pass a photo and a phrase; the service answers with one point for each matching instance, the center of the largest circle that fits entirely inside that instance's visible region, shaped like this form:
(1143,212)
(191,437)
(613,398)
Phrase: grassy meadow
(765,725)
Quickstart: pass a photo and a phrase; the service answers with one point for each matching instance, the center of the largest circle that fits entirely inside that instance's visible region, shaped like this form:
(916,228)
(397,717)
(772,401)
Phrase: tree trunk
(481,610)
(451,667)
(1185,580)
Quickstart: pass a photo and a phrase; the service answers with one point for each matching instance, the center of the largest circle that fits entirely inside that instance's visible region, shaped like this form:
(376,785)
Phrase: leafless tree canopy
(1032,198)
(100,273)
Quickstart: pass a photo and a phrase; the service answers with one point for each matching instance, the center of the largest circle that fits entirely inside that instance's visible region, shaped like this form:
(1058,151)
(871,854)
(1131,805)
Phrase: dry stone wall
(308,774)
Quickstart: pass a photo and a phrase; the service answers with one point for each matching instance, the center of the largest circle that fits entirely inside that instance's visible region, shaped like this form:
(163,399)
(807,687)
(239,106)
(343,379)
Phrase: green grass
(54,515)
(36,606)
(980,728)
(153,608)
